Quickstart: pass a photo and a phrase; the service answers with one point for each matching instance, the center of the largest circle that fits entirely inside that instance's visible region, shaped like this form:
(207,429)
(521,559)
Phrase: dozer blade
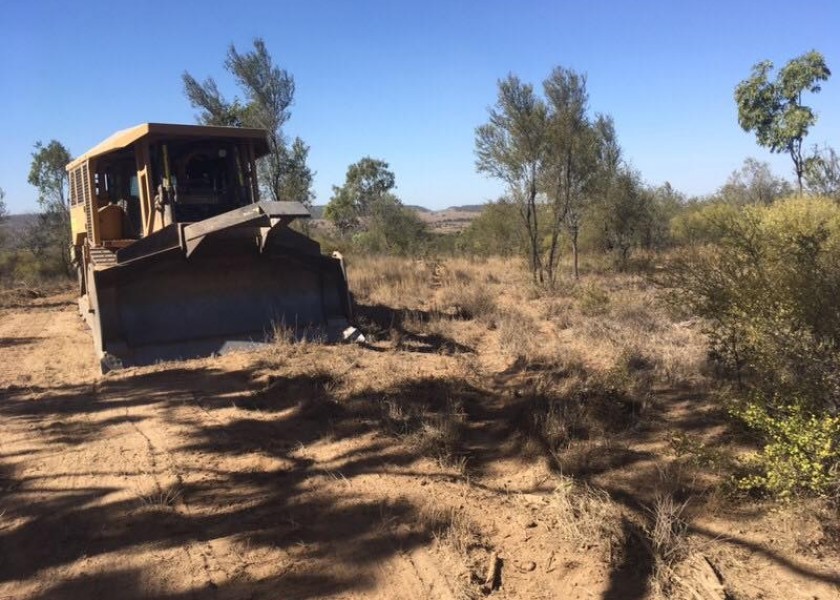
(227,284)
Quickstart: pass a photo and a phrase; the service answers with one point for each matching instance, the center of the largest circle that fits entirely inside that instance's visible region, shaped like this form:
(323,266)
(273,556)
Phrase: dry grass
(668,543)
(585,517)
(452,527)
(468,300)
(390,281)
(518,335)
(160,499)
(574,412)
(426,430)
(587,359)
(668,531)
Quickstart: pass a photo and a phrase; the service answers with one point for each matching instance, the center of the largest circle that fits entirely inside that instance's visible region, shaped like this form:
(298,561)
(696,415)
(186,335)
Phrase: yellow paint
(77,223)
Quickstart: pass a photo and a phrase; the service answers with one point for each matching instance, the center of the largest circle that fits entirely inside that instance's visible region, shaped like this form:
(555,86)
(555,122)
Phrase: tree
(822,173)
(296,182)
(625,214)
(753,183)
(571,158)
(365,208)
(268,93)
(367,182)
(665,204)
(215,110)
(511,147)
(392,228)
(774,109)
(47,173)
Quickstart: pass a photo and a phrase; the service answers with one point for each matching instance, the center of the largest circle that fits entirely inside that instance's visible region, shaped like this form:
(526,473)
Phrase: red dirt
(265,476)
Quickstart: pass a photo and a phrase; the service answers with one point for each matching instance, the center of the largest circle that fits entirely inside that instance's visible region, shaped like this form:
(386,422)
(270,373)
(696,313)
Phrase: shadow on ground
(332,542)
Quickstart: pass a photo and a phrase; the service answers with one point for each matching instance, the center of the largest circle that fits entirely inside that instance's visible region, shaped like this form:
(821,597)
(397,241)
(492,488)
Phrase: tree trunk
(575,250)
(796,155)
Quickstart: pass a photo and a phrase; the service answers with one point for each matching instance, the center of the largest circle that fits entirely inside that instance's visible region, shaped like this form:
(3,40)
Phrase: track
(156,484)
(262,476)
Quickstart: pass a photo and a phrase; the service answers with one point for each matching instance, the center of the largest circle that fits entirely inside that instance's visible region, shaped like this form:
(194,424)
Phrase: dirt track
(242,477)
(176,483)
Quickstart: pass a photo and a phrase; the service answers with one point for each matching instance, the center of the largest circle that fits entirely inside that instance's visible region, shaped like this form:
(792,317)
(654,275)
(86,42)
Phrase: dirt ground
(296,473)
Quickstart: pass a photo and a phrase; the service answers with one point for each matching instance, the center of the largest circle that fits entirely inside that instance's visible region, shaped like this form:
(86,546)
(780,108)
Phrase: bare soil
(302,472)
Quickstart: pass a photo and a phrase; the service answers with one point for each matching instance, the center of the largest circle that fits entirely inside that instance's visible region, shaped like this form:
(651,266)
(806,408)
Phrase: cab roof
(171,131)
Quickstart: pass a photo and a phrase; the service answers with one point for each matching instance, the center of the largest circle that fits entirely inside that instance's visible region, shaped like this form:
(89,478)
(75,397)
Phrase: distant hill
(476,208)
(420,209)
(447,220)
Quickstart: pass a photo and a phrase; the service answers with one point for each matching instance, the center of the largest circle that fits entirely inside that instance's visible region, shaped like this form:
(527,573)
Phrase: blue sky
(408,82)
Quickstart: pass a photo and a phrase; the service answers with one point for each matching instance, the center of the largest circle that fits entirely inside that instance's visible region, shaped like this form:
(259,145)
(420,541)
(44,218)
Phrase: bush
(469,301)
(497,231)
(802,452)
(392,229)
(592,299)
(767,289)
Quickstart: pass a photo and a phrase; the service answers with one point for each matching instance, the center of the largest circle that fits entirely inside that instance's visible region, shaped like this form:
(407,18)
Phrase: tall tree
(296,182)
(215,110)
(774,109)
(268,94)
(512,147)
(367,182)
(570,159)
(626,213)
(47,173)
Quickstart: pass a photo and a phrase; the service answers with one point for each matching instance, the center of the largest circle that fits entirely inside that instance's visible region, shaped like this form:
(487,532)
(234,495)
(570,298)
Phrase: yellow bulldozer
(176,255)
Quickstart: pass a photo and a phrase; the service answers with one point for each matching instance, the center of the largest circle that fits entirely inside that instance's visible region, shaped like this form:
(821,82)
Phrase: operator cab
(143,179)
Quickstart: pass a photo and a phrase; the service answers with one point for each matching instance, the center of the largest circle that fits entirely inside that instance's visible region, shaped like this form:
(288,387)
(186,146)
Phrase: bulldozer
(177,257)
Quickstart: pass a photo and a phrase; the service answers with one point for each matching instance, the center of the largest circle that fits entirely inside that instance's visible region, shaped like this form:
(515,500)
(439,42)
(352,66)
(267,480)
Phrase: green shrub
(767,290)
(802,452)
(392,229)
(497,231)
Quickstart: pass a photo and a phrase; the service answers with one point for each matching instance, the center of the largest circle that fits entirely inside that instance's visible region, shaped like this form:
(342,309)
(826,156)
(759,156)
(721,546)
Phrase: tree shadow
(18,341)
(253,485)
(630,576)
(379,321)
(252,476)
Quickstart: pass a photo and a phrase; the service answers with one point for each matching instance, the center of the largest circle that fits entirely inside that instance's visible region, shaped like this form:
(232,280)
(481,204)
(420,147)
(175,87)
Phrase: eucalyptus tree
(366,184)
(48,174)
(366,207)
(296,183)
(512,147)
(268,92)
(571,159)
(774,109)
